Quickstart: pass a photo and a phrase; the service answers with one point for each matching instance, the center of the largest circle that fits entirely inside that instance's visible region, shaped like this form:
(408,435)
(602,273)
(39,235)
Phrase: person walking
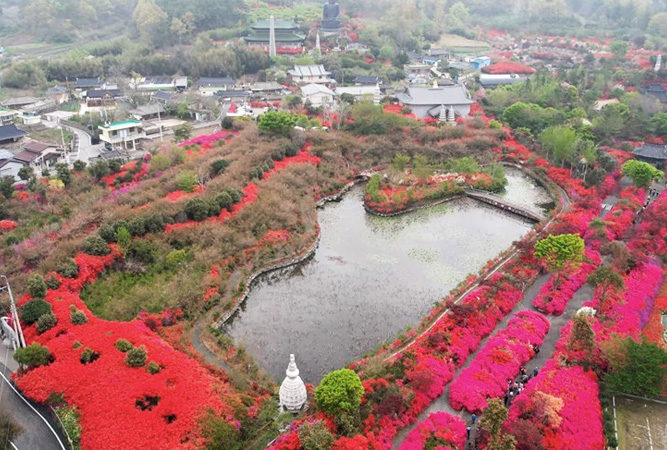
(473,418)
(468,432)
(535,372)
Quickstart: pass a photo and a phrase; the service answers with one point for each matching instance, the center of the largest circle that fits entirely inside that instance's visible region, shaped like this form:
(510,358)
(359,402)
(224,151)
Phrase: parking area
(642,424)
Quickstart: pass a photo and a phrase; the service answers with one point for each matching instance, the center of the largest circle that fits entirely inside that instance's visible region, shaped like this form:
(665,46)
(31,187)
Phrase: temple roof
(651,151)
(279,25)
(442,95)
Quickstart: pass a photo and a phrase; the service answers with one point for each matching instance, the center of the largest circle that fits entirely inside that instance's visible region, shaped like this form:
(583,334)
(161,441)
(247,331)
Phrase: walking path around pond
(557,323)
(491,199)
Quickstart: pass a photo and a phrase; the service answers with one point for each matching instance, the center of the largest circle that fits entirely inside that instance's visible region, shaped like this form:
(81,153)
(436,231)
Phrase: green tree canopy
(339,392)
(560,251)
(641,173)
(277,122)
(639,369)
(492,422)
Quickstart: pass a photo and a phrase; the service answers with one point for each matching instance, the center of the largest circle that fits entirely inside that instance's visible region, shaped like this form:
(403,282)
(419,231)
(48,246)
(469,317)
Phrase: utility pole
(16,324)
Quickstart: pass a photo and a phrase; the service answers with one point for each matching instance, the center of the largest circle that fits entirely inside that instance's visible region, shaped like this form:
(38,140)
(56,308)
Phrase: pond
(370,279)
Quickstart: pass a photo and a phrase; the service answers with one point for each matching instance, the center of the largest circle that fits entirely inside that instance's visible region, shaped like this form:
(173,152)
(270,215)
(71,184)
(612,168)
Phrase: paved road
(36,433)
(85,149)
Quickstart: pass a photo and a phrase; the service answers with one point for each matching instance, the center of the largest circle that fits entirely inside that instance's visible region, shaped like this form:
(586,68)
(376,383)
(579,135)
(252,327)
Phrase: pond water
(523,191)
(370,279)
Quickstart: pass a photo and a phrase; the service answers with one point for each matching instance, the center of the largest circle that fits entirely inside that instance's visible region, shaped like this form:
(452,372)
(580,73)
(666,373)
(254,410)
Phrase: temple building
(288,38)
(292,391)
(428,102)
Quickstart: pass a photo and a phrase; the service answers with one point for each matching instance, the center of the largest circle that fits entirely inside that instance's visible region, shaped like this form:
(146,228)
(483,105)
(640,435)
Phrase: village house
(207,87)
(366,80)
(10,133)
(58,93)
(40,155)
(316,74)
(84,84)
(317,95)
(362,93)
(148,112)
(7,116)
(154,84)
(124,134)
(490,81)
(652,154)
(102,97)
(428,101)
(8,166)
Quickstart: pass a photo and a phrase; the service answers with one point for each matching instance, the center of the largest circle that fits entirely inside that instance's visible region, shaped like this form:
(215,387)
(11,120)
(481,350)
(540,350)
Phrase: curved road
(37,434)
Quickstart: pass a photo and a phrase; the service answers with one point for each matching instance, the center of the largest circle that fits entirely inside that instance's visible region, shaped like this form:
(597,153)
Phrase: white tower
(318,48)
(443,114)
(292,391)
(272,37)
(451,117)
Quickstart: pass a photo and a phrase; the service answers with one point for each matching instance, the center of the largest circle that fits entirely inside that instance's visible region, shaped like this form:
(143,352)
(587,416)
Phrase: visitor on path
(468,432)
(535,372)
(524,378)
(473,418)
(536,348)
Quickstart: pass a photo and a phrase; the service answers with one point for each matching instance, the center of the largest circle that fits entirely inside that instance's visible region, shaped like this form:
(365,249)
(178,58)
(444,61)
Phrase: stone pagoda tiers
(292,391)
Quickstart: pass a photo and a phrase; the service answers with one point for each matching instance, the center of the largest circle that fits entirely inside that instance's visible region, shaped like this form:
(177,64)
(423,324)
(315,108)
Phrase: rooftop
(442,95)
(367,79)
(309,71)
(36,147)
(313,89)
(101,93)
(88,82)
(215,82)
(278,24)
(652,151)
(25,156)
(10,132)
(121,125)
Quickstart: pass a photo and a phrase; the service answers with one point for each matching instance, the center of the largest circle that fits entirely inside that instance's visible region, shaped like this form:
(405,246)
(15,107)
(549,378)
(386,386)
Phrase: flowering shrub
(553,300)
(438,431)
(505,67)
(654,331)
(112,407)
(562,405)
(500,359)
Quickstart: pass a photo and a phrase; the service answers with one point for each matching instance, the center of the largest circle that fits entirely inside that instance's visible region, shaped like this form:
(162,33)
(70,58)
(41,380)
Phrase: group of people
(514,388)
(651,195)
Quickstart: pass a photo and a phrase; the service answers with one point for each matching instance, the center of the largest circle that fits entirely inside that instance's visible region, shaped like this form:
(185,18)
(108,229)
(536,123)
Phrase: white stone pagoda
(292,391)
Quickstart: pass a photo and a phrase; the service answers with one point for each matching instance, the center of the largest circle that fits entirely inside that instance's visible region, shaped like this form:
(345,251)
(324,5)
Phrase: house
(311,74)
(491,81)
(83,84)
(122,134)
(9,167)
(317,95)
(428,101)
(209,86)
(19,102)
(232,95)
(366,80)
(10,133)
(658,91)
(58,93)
(267,88)
(40,155)
(652,154)
(602,103)
(102,97)
(154,84)
(288,38)
(58,116)
(164,97)
(147,112)
(417,70)
(367,93)
(479,62)
(7,116)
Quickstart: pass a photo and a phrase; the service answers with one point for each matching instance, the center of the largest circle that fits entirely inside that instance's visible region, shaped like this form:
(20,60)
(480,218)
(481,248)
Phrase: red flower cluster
(121,404)
(438,431)
(552,300)
(503,67)
(561,406)
(500,359)
(7,225)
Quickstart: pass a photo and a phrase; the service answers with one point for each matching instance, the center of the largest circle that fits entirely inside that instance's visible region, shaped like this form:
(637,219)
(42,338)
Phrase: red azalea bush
(440,431)
(7,225)
(500,359)
(504,67)
(553,300)
(122,404)
(654,331)
(562,406)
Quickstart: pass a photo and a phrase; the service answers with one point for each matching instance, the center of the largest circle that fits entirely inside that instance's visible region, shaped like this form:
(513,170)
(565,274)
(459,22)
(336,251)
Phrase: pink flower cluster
(553,301)
(439,431)
(562,406)
(500,359)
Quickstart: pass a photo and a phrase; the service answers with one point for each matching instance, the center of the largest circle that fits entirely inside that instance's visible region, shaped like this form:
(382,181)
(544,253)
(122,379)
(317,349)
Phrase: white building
(311,74)
(428,101)
(122,134)
(292,393)
(362,93)
(318,95)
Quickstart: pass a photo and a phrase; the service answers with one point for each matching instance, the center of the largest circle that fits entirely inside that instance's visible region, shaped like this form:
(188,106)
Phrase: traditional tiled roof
(309,71)
(36,146)
(86,83)
(101,93)
(216,82)
(313,89)
(8,132)
(366,79)
(652,151)
(278,24)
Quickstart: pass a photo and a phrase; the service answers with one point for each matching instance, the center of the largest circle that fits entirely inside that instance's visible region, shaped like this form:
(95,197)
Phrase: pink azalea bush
(562,406)
(500,359)
(553,301)
(440,431)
